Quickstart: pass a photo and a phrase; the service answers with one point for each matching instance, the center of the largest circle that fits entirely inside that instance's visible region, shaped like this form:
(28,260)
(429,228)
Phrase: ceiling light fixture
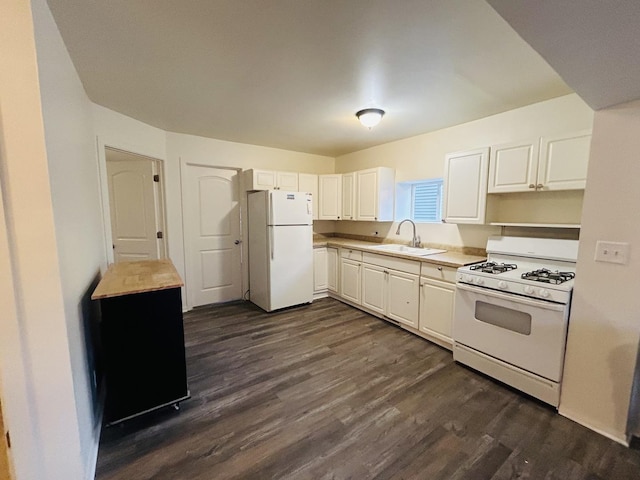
(370,117)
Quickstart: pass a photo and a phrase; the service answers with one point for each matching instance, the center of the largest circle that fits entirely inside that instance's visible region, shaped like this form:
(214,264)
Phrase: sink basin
(407,250)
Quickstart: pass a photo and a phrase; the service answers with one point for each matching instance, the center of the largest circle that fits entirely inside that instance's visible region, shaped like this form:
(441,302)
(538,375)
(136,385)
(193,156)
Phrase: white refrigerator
(280,249)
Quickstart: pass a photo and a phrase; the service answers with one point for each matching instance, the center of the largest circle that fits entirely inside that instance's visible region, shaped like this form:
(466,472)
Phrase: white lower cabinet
(437,292)
(350,275)
(390,286)
(373,287)
(320,272)
(333,269)
(403,297)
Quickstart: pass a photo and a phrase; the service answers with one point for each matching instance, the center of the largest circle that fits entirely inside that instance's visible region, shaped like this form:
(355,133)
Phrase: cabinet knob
(539,186)
(440,268)
(338,218)
(531,185)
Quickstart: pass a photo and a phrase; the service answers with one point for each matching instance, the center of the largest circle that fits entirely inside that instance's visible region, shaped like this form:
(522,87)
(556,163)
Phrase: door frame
(102,144)
(242,199)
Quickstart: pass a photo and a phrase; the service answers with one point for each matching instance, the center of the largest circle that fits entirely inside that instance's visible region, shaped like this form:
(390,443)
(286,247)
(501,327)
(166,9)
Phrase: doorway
(136,206)
(212,234)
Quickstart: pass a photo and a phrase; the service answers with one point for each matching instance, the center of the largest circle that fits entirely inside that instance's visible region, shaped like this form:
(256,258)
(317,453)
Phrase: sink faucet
(415,241)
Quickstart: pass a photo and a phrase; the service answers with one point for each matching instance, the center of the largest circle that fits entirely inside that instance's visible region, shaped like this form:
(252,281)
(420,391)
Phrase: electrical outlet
(612,252)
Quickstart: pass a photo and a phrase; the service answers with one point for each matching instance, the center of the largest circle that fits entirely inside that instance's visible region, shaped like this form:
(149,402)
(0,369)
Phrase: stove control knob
(528,289)
(502,284)
(543,293)
(479,281)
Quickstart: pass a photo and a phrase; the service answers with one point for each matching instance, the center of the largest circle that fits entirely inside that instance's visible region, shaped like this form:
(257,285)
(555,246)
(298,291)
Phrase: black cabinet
(144,352)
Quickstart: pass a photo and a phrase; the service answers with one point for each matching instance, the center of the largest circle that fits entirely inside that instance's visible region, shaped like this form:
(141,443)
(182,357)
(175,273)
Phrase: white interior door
(211,214)
(133,205)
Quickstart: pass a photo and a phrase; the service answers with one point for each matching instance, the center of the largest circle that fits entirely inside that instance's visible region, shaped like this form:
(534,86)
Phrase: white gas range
(512,312)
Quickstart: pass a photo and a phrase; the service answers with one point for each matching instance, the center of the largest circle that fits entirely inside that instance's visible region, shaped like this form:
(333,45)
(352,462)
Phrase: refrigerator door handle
(271,241)
(270,221)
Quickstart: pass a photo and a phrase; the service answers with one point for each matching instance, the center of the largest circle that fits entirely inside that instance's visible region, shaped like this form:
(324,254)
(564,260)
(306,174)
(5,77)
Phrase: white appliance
(512,313)
(280,249)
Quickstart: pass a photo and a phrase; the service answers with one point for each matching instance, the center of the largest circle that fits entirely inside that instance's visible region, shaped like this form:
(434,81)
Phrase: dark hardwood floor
(328,392)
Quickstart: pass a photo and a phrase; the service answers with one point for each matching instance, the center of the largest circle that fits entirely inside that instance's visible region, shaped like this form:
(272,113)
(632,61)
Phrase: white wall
(39,384)
(73,176)
(604,328)
(422,157)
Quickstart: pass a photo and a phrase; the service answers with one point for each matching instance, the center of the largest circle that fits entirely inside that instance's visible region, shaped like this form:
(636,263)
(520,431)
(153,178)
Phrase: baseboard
(576,418)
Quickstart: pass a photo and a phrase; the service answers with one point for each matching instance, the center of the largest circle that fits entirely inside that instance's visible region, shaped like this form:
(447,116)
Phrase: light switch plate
(612,252)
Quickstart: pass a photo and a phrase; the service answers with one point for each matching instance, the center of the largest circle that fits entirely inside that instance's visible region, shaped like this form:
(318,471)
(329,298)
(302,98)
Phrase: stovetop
(512,271)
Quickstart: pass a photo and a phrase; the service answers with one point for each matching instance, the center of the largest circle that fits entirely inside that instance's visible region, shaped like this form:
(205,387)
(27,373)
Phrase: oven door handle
(556,307)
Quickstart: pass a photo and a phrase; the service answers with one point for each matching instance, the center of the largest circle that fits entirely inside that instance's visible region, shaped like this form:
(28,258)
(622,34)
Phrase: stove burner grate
(493,267)
(547,276)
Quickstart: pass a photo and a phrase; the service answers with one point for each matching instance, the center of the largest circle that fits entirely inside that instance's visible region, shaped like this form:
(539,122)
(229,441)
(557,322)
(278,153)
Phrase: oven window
(502,317)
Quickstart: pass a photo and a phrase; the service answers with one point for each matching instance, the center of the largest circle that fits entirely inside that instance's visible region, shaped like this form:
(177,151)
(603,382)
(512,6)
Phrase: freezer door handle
(270,221)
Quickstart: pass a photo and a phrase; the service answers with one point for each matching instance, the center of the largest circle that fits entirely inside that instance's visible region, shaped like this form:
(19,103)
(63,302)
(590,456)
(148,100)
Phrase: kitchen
(604,343)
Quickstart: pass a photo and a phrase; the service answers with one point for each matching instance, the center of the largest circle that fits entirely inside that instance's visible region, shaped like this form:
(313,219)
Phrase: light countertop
(449,259)
(137,277)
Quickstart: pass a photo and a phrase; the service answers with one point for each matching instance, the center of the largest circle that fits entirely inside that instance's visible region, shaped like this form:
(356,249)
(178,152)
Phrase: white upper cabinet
(375,194)
(308,182)
(465,186)
(560,163)
(270,180)
(330,197)
(287,181)
(513,167)
(563,161)
(348,196)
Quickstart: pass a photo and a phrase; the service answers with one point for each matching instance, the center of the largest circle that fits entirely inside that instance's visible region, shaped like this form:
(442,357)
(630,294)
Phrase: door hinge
(156,178)
(159,235)
(8,439)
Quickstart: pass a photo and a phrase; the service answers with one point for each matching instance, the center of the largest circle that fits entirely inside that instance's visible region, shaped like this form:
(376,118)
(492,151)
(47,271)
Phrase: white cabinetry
(348,196)
(330,197)
(465,186)
(390,286)
(320,272)
(564,160)
(333,269)
(437,292)
(270,180)
(308,182)
(549,163)
(350,275)
(375,194)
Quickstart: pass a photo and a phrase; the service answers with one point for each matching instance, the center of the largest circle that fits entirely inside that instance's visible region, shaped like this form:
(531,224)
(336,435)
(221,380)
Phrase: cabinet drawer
(400,264)
(439,272)
(351,254)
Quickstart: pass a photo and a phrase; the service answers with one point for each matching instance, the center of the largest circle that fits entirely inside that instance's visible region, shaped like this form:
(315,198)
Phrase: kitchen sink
(407,250)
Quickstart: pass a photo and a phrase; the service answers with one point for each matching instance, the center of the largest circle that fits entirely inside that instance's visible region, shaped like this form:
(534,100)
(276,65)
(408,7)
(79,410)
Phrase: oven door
(524,332)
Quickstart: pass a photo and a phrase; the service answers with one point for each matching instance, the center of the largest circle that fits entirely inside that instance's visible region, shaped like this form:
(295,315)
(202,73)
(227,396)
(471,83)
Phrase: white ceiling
(593,44)
(292,73)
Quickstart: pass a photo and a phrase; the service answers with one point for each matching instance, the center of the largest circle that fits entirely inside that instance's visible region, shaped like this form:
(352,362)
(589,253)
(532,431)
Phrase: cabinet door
(320,278)
(373,287)
(436,307)
(332,269)
(350,280)
(264,180)
(348,196)
(287,181)
(563,161)
(330,204)
(308,182)
(465,186)
(403,297)
(367,195)
(513,167)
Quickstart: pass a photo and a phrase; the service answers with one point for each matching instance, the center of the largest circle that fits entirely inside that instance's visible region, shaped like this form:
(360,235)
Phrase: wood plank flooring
(326,391)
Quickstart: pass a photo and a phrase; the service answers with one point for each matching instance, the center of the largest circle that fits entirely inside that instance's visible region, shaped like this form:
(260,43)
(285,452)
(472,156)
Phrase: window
(419,200)
(426,201)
